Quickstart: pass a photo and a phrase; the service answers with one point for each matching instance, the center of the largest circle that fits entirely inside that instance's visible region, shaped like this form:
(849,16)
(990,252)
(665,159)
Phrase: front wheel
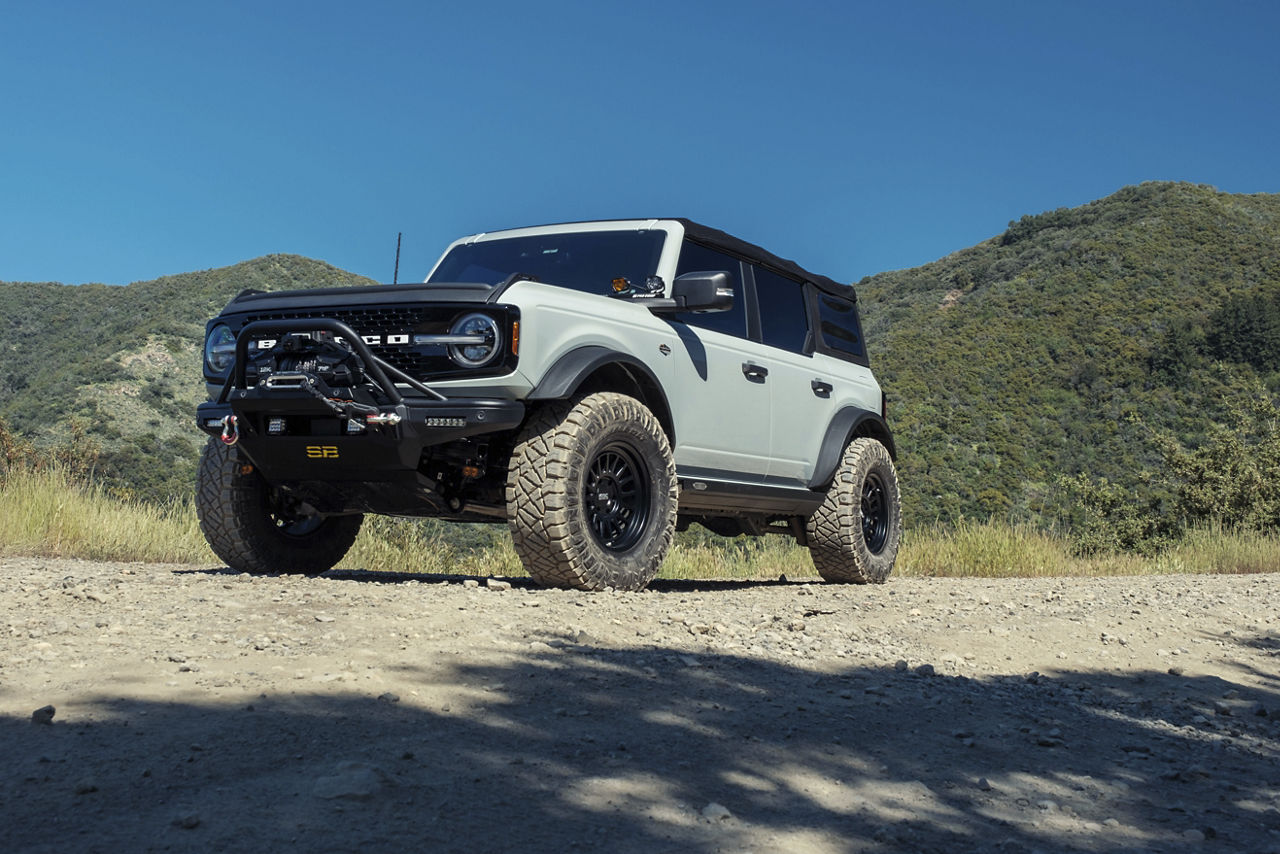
(854,535)
(591,494)
(254,528)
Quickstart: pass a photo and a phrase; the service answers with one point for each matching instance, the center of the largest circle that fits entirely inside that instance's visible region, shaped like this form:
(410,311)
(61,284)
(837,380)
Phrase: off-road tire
(244,526)
(855,534)
(613,535)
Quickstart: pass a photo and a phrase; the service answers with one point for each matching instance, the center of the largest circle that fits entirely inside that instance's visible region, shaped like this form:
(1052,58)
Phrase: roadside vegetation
(51,509)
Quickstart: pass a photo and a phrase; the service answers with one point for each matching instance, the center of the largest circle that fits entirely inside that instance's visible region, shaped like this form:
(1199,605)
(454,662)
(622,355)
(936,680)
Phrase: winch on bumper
(293,419)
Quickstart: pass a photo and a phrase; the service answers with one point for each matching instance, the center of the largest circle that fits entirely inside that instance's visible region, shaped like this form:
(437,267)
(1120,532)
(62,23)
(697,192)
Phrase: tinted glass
(840,329)
(784,322)
(584,261)
(700,259)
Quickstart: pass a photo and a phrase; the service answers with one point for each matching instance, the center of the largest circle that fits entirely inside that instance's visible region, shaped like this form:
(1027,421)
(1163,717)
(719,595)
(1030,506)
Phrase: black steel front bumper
(316,445)
(290,434)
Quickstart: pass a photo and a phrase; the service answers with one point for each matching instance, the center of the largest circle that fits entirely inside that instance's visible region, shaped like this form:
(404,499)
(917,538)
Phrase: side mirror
(703,291)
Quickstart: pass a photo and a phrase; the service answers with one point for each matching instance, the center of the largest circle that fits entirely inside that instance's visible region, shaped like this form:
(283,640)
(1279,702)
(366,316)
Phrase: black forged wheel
(591,494)
(854,535)
(875,512)
(252,528)
(617,495)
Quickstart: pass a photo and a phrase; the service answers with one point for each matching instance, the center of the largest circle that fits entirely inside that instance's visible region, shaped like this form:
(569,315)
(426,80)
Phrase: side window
(698,259)
(840,329)
(784,322)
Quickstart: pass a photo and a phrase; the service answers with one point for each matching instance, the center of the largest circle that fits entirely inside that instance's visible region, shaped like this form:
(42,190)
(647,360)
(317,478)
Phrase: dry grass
(996,550)
(1211,549)
(985,550)
(409,545)
(757,558)
(46,512)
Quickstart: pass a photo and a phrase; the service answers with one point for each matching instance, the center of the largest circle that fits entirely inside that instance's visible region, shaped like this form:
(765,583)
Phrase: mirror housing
(701,291)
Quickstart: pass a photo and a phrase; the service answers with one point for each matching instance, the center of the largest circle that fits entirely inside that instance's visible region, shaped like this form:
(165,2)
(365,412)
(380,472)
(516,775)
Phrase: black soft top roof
(717,239)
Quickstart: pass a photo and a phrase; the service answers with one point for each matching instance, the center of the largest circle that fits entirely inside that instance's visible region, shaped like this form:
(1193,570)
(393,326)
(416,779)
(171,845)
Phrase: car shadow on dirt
(577,748)
(681,585)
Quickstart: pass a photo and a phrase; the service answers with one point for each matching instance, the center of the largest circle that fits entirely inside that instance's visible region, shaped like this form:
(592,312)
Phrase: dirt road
(200,710)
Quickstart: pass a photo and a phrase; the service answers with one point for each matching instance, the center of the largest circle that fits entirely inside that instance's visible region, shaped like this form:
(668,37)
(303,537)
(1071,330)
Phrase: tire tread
(548,533)
(834,530)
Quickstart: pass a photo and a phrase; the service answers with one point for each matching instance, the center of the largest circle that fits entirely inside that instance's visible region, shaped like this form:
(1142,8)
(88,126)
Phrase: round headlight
(220,348)
(487,343)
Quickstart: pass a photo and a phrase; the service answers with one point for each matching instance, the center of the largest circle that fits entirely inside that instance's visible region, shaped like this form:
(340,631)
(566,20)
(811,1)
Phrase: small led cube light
(275,426)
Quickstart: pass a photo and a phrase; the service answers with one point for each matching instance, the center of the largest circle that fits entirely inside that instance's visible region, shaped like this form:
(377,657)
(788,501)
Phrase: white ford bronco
(596,386)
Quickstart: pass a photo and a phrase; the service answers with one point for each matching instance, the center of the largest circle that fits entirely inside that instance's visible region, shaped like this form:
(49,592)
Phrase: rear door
(803,393)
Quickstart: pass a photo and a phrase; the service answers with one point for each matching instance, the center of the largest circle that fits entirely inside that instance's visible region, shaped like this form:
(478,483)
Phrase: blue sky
(139,139)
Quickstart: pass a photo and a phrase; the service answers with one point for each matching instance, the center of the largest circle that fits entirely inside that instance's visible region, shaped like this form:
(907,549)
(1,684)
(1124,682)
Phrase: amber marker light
(620,284)
(515,338)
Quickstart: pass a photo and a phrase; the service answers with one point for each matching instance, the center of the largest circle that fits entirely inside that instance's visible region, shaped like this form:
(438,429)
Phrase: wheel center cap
(606,490)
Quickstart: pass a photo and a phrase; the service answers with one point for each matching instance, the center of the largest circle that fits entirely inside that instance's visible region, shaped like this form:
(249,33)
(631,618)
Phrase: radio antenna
(395,277)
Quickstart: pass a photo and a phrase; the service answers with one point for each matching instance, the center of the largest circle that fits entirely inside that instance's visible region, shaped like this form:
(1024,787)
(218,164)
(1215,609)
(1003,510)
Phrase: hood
(259,301)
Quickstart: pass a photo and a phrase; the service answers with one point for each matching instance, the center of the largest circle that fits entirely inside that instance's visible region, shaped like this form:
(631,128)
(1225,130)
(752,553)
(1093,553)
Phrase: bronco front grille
(376,323)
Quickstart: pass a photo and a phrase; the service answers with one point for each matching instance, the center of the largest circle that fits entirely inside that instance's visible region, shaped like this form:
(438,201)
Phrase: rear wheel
(855,534)
(255,528)
(591,494)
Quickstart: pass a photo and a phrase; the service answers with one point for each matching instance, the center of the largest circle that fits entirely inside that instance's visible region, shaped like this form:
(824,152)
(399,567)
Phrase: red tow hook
(230,434)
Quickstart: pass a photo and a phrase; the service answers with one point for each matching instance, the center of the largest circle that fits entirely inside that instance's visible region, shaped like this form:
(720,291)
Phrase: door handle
(753,372)
(821,388)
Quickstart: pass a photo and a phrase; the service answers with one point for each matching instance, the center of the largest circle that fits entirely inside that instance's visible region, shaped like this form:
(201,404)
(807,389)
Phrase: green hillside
(125,362)
(1059,346)
(1062,346)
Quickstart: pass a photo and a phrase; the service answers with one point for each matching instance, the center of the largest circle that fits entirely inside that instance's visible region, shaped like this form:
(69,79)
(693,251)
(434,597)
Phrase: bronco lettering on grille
(400,339)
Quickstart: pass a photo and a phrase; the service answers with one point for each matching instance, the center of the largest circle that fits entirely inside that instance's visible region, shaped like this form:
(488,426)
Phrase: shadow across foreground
(570,747)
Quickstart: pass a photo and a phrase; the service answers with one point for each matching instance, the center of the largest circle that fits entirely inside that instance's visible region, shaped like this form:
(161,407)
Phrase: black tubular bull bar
(376,368)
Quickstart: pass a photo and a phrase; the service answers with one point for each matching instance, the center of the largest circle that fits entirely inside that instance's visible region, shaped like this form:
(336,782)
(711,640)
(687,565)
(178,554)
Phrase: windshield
(586,261)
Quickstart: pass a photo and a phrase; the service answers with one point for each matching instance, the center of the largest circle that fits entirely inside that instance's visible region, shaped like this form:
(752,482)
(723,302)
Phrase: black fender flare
(567,375)
(847,423)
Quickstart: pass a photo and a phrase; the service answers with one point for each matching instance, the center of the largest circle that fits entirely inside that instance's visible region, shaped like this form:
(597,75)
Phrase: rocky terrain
(170,708)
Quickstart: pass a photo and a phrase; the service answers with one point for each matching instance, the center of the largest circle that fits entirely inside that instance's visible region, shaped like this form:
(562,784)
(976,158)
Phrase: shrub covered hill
(123,363)
(1062,346)
(1068,343)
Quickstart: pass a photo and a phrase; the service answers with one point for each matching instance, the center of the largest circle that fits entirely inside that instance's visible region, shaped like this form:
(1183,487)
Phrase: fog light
(446,422)
(275,426)
(354,426)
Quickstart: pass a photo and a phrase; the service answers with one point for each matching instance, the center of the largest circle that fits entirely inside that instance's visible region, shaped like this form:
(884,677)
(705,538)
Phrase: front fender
(629,375)
(567,374)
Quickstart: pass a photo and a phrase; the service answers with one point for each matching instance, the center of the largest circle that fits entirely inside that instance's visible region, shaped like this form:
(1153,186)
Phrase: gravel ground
(194,709)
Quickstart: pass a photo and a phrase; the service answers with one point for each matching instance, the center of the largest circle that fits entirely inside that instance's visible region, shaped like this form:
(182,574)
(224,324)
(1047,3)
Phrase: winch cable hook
(230,433)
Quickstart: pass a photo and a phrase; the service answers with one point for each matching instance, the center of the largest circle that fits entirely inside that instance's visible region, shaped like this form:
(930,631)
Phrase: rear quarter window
(839,327)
